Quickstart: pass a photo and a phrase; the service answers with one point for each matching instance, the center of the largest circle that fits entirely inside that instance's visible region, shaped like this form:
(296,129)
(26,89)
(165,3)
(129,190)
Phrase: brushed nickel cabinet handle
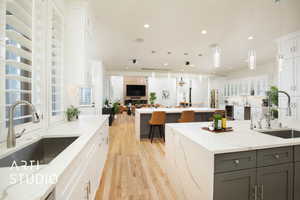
(277,156)
(237,162)
(262,192)
(255,192)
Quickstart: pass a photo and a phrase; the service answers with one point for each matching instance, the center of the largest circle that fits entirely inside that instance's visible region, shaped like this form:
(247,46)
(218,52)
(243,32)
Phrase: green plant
(273,94)
(116,107)
(72,113)
(152,97)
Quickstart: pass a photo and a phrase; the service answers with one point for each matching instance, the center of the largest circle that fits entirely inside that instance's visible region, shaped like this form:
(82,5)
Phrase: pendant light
(216,55)
(252,59)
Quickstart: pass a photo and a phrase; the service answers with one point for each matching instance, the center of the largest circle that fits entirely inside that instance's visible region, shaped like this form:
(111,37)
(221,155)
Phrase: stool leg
(150,132)
(160,131)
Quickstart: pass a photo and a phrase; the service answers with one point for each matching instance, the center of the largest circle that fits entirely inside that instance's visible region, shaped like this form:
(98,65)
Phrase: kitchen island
(143,115)
(239,165)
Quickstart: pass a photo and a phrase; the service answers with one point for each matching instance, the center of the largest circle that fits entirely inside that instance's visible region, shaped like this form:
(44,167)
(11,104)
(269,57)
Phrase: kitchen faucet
(289,110)
(268,115)
(11,135)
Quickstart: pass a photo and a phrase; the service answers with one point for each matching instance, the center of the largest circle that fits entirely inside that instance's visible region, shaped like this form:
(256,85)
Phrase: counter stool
(158,119)
(187,116)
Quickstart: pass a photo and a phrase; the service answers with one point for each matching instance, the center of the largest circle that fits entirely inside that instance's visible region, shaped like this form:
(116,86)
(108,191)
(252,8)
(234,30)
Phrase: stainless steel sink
(286,134)
(42,152)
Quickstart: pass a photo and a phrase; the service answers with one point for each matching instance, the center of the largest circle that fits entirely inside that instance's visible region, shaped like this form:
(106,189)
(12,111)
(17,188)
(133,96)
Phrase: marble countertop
(241,139)
(173,110)
(85,128)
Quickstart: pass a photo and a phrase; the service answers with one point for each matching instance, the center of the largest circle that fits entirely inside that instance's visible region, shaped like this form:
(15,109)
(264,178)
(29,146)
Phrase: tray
(228,129)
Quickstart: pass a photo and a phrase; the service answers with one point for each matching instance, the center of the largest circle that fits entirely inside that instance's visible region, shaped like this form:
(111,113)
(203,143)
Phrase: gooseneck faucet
(289,110)
(11,135)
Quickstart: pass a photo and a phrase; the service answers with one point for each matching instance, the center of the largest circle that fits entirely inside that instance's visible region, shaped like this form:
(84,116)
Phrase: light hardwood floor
(134,170)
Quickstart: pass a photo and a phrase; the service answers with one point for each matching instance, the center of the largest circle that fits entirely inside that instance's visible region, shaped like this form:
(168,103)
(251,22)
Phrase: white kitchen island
(231,166)
(143,115)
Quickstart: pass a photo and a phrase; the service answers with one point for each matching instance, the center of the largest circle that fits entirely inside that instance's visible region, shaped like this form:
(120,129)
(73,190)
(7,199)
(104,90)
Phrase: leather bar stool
(158,119)
(187,116)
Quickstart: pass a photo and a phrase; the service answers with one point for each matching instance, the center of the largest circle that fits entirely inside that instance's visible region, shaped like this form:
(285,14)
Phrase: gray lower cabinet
(275,182)
(297,181)
(238,185)
(268,174)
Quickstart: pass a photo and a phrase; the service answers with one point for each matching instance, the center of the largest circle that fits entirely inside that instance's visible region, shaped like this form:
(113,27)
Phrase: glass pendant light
(252,59)
(216,55)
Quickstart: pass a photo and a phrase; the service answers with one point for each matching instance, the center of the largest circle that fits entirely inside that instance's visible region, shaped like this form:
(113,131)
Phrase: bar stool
(158,119)
(187,116)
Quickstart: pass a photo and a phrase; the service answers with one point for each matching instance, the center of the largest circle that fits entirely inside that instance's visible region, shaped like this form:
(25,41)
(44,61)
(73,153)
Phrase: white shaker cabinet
(297,75)
(286,76)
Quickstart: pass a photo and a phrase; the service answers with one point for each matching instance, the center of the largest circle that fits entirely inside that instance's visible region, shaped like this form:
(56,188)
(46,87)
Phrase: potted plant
(116,107)
(152,98)
(72,113)
(273,95)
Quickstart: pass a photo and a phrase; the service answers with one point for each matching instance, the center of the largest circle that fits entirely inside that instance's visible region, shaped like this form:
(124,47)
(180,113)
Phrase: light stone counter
(190,152)
(85,128)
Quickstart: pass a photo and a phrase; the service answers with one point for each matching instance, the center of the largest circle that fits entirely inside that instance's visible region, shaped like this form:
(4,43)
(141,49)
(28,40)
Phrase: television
(135,90)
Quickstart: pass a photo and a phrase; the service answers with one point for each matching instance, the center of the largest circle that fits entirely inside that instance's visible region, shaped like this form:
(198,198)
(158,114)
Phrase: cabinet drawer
(297,153)
(235,161)
(274,156)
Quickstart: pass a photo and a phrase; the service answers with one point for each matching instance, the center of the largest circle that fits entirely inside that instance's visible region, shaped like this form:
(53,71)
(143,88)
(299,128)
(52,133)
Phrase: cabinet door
(296,108)
(297,181)
(288,48)
(297,47)
(275,182)
(286,76)
(297,76)
(239,185)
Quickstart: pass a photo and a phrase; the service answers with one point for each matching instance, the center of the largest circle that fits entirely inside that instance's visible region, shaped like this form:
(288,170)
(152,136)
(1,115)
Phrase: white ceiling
(176,26)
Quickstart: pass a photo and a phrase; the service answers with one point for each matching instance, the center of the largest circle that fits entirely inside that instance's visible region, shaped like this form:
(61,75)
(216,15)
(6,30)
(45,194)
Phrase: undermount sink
(286,134)
(42,152)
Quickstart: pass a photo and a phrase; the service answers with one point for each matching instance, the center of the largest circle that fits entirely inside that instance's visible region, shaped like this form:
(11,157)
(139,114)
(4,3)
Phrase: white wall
(158,84)
(163,81)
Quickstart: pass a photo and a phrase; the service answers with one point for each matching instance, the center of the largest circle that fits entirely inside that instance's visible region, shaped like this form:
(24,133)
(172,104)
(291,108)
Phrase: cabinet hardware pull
(262,192)
(237,162)
(277,156)
(255,192)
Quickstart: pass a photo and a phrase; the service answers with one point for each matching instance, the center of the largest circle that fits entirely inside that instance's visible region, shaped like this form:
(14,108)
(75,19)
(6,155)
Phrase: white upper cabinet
(297,76)
(297,47)
(286,80)
(288,47)
(289,76)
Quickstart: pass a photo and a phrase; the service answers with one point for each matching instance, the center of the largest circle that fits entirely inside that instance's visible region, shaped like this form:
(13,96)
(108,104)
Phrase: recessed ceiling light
(250,37)
(146,26)
(169,52)
(186,54)
(200,54)
(166,64)
(153,51)
(204,32)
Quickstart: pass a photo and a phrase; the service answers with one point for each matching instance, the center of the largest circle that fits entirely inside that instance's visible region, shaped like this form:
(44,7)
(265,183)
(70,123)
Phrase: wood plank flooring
(134,170)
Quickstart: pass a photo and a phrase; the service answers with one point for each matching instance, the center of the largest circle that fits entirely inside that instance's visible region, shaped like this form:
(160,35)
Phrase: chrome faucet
(289,110)
(11,135)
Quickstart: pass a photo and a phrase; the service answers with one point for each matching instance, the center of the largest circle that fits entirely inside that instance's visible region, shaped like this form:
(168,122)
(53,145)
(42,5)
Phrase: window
(56,64)
(85,96)
(18,58)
